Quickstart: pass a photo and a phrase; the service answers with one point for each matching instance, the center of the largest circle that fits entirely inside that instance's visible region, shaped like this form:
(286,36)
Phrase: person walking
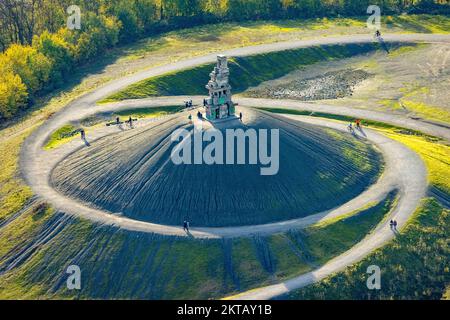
(186,226)
(82,134)
(395,224)
(391,224)
(240,116)
(350,127)
(130,122)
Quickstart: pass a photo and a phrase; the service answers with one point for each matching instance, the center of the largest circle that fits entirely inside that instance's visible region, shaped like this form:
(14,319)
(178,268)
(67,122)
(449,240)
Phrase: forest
(38,51)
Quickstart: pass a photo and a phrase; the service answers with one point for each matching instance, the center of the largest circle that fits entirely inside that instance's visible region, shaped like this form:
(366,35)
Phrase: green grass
(246,71)
(435,154)
(238,34)
(428,111)
(418,23)
(413,266)
(148,112)
(405,49)
(123,264)
(329,240)
(61,136)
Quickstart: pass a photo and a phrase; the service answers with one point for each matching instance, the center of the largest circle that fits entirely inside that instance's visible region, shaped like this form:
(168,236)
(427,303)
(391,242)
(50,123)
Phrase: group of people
(117,122)
(188,104)
(393,224)
(357,124)
(129,121)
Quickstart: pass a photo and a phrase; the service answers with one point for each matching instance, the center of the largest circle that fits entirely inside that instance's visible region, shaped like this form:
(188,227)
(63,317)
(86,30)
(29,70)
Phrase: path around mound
(399,161)
(404,169)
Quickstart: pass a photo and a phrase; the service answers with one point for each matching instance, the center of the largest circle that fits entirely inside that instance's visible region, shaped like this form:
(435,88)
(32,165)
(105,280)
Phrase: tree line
(39,51)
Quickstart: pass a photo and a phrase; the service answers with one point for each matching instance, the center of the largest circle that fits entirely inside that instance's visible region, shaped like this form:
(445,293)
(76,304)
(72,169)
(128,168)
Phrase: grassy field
(422,249)
(413,266)
(122,264)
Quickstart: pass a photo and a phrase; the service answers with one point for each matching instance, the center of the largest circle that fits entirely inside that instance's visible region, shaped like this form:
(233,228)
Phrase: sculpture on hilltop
(219,104)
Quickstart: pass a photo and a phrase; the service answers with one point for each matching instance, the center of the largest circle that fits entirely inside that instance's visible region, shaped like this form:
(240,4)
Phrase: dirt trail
(40,167)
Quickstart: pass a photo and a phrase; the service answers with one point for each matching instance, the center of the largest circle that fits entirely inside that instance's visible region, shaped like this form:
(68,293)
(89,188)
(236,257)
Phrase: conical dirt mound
(132,173)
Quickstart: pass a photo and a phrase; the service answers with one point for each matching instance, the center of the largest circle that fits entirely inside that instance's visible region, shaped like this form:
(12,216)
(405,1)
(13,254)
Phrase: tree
(57,50)
(13,94)
(33,67)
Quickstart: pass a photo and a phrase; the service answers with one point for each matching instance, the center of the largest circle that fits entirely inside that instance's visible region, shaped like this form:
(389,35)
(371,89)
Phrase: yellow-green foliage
(404,49)
(23,71)
(288,262)
(29,64)
(446,295)
(419,23)
(428,111)
(435,154)
(13,94)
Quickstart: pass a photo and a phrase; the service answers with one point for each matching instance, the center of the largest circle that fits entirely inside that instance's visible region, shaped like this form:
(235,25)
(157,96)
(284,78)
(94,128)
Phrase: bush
(58,51)
(31,66)
(13,94)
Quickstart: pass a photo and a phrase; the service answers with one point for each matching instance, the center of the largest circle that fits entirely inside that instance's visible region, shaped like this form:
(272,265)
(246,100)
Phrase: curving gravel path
(404,169)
